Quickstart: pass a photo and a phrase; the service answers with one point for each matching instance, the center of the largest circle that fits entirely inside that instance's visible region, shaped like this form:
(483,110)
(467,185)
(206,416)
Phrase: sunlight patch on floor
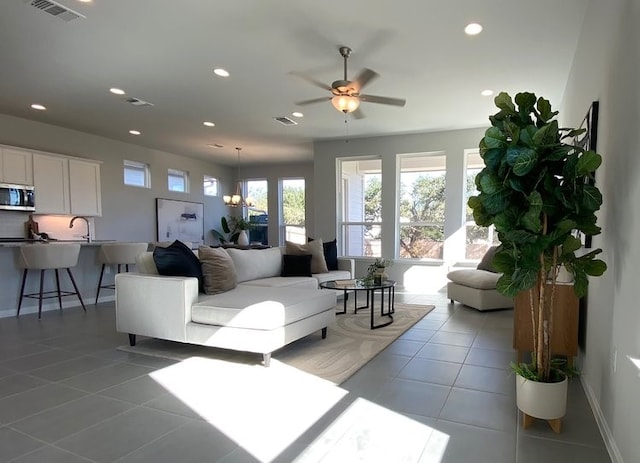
(369,432)
(264,410)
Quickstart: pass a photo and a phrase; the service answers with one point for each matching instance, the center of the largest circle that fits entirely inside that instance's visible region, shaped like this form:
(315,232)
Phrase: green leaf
(490,183)
(517,184)
(474,202)
(588,162)
(544,110)
(496,202)
(547,135)
(504,262)
(494,138)
(493,157)
(559,153)
(225,225)
(595,267)
(506,286)
(525,102)
(520,236)
(527,134)
(503,101)
(521,159)
(580,281)
(591,198)
(570,245)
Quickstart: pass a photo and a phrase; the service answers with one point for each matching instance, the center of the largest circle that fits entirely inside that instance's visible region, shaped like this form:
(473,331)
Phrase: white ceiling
(164,52)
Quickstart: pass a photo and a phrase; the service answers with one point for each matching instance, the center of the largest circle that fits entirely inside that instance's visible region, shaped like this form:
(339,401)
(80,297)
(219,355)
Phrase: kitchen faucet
(88,235)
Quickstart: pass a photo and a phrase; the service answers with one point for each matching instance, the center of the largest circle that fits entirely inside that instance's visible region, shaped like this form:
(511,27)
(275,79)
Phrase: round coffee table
(356,286)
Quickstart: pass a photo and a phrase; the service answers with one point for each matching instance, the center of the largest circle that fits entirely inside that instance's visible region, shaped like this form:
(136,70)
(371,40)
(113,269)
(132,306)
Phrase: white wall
(128,213)
(607,68)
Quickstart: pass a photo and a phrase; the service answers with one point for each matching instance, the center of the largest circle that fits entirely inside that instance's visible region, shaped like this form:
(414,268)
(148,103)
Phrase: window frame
(283,224)
(139,167)
(178,173)
(420,223)
(214,181)
(345,197)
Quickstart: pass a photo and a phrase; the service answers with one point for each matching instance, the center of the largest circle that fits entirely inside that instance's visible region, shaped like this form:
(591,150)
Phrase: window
(360,207)
(136,174)
(292,202)
(210,185)
(256,193)
(422,205)
(478,239)
(178,180)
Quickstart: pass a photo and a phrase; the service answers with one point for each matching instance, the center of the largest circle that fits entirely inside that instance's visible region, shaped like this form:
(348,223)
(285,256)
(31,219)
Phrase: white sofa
(263,313)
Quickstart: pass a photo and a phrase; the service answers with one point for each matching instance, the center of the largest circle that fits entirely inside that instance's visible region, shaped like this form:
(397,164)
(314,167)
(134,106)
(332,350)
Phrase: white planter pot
(243,238)
(547,401)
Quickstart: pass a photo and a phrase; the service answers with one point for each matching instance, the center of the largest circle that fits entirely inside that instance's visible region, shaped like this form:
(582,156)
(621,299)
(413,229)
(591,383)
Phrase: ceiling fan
(346,94)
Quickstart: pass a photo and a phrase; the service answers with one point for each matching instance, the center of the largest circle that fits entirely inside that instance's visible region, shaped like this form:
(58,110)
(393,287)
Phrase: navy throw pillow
(177,260)
(330,249)
(296,265)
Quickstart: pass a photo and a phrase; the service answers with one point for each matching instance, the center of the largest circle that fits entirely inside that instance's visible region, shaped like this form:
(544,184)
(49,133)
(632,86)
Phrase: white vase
(547,401)
(243,238)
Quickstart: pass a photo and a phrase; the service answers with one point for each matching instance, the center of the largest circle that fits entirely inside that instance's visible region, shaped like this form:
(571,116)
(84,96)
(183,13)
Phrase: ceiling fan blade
(311,80)
(358,114)
(383,100)
(314,100)
(365,76)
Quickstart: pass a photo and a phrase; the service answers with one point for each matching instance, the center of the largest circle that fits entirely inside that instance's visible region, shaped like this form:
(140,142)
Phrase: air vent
(138,102)
(285,120)
(55,9)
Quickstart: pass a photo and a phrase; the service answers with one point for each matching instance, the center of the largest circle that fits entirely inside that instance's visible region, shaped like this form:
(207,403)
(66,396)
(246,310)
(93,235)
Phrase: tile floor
(440,393)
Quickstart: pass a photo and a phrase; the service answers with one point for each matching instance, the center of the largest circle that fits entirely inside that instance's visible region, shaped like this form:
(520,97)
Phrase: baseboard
(601,421)
(47,306)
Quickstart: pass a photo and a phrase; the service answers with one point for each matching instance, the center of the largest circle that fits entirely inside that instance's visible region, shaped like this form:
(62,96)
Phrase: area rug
(349,345)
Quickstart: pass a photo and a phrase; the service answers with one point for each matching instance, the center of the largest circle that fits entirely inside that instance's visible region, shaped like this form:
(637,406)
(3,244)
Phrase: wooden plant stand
(555,424)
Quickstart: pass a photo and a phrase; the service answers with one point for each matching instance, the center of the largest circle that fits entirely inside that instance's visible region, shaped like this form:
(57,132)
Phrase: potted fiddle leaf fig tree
(538,190)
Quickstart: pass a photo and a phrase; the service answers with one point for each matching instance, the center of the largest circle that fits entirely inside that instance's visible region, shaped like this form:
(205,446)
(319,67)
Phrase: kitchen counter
(18,243)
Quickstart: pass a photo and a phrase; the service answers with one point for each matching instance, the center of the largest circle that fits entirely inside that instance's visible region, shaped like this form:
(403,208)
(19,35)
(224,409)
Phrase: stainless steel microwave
(17,197)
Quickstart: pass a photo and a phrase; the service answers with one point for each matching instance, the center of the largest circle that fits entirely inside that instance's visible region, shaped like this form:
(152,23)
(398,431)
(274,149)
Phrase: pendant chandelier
(236,199)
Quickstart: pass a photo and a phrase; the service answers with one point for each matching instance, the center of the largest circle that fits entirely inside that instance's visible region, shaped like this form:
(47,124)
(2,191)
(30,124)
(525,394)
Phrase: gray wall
(606,68)
(128,213)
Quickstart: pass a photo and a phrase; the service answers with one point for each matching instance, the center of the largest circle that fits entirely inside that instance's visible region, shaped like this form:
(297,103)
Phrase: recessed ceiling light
(215,145)
(486,92)
(116,91)
(135,132)
(473,29)
(221,72)
(39,107)
(209,124)
(85,1)
(297,114)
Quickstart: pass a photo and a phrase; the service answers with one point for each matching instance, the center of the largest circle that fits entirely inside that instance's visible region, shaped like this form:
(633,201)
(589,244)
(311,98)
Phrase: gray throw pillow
(218,271)
(486,263)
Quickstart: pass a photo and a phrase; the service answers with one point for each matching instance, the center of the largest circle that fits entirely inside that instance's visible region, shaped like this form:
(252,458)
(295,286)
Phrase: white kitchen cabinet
(65,185)
(16,166)
(84,187)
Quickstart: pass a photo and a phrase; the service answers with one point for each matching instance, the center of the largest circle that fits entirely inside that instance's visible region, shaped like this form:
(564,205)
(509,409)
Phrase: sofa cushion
(218,272)
(261,308)
(178,260)
(486,263)
(333,275)
(318,264)
(296,265)
(330,249)
(474,278)
(284,282)
(251,264)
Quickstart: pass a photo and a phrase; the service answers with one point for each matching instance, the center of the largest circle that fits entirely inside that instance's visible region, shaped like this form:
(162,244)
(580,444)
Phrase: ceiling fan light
(345,103)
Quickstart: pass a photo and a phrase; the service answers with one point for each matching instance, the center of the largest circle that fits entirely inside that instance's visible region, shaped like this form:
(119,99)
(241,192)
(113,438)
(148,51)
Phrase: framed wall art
(180,220)
(588,141)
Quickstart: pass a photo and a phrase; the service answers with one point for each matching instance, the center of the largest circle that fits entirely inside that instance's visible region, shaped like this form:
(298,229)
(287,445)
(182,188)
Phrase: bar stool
(48,257)
(117,254)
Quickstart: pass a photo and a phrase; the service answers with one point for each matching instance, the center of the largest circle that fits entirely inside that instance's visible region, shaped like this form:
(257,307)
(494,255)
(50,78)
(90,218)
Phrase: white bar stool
(117,254)
(45,257)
